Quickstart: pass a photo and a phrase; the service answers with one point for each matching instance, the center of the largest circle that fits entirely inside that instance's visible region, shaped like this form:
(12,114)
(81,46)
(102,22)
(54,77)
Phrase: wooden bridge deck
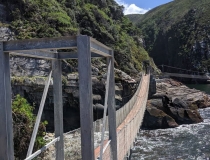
(128,129)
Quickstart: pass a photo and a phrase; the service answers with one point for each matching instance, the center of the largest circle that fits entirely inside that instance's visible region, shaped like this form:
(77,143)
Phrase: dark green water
(201,87)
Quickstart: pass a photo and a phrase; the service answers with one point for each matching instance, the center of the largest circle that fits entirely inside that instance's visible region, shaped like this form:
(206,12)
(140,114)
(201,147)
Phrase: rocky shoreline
(174,104)
(72,145)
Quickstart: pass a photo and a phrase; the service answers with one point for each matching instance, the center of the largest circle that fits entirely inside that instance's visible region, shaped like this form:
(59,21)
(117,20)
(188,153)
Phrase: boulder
(179,103)
(155,118)
(169,112)
(180,111)
(194,116)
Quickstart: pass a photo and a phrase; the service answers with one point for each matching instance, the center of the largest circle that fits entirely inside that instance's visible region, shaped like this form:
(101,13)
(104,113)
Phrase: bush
(23,123)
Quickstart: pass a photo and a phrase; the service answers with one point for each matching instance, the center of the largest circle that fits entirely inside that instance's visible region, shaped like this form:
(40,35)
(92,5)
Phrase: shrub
(23,122)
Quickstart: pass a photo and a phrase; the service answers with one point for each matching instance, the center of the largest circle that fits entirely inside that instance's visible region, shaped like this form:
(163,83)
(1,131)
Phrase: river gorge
(185,142)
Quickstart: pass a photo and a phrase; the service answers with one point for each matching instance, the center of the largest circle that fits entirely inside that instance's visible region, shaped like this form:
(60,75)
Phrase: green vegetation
(103,20)
(23,122)
(177,33)
(135,18)
(41,18)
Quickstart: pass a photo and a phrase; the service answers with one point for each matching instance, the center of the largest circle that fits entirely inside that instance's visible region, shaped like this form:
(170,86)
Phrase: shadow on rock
(165,113)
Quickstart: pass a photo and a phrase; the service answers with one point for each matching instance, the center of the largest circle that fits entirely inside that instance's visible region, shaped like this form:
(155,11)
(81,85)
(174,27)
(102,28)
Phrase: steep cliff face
(28,79)
(103,20)
(178,34)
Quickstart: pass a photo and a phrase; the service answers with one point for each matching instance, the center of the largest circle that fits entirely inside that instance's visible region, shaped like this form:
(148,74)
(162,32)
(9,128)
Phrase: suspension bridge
(183,73)
(122,125)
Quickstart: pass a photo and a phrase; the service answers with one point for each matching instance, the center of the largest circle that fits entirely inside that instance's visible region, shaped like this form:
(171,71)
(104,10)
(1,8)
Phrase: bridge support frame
(58,107)
(111,109)
(45,48)
(6,131)
(85,94)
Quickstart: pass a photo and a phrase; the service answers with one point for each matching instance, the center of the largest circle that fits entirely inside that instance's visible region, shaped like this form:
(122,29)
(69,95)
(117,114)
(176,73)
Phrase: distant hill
(178,33)
(135,18)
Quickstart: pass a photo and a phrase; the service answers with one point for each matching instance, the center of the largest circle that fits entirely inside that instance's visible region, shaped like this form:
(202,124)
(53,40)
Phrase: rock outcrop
(180,111)
(174,104)
(28,79)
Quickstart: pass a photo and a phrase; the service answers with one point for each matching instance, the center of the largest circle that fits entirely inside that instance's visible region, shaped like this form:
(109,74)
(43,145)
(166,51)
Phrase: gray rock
(155,118)
(21,66)
(95,71)
(174,100)
(97,98)
(5,33)
(178,103)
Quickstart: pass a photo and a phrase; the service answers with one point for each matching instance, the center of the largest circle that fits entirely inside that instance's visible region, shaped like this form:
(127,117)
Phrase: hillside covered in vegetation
(178,33)
(103,20)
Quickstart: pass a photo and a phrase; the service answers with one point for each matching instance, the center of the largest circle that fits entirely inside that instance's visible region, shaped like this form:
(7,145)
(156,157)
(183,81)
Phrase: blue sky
(140,6)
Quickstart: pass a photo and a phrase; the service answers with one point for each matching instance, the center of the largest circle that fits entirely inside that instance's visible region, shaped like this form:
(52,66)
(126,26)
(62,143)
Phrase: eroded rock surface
(28,79)
(174,104)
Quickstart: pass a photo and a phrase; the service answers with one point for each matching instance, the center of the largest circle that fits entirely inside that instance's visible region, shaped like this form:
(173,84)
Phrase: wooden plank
(105,147)
(35,54)
(85,93)
(42,43)
(6,131)
(45,147)
(74,55)
(94,41)
(105,108)
(58,107)
(98,52)
(95,55)
(112,110)
(67,55)
(99,48)
(51,55)
(39,115)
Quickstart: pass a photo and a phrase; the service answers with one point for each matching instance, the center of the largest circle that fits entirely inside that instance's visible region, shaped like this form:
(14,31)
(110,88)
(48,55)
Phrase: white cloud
(131,8)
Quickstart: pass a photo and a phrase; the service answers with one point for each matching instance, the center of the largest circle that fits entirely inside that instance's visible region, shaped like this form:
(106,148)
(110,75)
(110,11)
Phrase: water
(186,142)
(202,87)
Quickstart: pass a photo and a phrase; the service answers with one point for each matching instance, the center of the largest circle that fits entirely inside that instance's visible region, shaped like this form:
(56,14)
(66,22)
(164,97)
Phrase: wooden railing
(129,118)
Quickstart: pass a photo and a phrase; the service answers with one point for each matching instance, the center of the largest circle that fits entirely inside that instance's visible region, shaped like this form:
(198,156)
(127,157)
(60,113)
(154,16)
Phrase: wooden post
(6,129)
(85,95)
(39,115)
(105,109)
(112,110)
(58,108)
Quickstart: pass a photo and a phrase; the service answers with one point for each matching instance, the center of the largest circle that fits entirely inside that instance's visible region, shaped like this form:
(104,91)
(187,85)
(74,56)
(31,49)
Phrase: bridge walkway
(128,129)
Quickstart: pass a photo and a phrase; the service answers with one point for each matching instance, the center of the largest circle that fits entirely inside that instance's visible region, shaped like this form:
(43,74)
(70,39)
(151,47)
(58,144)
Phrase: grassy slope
(102,20)
(171,30)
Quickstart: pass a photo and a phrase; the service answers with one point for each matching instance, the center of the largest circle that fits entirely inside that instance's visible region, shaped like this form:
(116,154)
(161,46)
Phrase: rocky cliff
(174,104)
(29,75)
